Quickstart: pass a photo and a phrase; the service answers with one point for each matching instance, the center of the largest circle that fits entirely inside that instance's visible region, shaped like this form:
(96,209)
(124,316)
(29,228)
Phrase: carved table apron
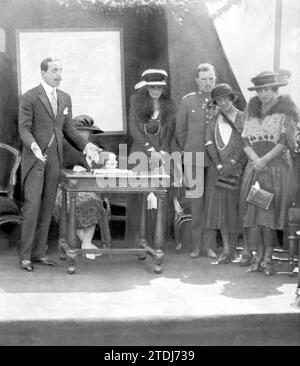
(73,183)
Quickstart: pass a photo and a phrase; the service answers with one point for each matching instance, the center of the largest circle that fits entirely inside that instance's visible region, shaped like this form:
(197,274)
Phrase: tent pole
(277,38)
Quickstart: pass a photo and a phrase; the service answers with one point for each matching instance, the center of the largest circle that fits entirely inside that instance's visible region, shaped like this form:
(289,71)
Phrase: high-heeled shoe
(195,253)
(255,267)
(245,260)
(267,268)
(211,254)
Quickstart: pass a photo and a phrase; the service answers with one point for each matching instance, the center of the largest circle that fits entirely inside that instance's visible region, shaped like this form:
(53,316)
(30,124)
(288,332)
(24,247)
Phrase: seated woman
(90,209)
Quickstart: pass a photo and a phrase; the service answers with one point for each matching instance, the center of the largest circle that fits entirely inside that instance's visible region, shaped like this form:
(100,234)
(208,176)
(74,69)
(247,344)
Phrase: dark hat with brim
(152,77)
(86,123)
(267,79)
(222,90)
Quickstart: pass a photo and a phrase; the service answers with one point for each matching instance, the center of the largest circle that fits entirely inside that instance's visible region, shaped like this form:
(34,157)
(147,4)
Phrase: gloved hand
(92,153)
(38,152)
(220,169)
(151,201)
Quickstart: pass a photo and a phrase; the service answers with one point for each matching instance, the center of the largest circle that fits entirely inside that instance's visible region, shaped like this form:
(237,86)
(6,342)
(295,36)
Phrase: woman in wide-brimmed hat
(224,146)
(152,113)
(151,125)
(266,132)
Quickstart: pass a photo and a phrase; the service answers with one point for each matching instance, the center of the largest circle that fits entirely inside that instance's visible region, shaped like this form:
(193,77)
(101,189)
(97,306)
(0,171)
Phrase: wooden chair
(9,162)
(182,214)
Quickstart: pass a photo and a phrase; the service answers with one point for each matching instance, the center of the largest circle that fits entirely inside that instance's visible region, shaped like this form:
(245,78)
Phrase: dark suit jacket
(37,123)
(191,123)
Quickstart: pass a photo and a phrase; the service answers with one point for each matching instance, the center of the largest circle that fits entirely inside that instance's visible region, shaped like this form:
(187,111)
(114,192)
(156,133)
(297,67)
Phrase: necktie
(53,102)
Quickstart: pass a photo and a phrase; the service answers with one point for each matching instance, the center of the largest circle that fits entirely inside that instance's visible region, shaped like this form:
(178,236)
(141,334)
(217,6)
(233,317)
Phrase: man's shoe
(211,254)
(44,261)
(26,266)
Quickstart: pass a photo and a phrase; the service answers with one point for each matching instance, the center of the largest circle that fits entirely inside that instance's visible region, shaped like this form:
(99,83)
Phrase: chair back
(10,159)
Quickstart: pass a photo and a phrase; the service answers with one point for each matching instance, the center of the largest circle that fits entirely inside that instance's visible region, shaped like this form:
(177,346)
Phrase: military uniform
(192,120)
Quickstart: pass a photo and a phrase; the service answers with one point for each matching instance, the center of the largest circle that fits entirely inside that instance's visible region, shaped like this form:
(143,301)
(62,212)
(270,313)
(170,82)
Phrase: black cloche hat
(221,90)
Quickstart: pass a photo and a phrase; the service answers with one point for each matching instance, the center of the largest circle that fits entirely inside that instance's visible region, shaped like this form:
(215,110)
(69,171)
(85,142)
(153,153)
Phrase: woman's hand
(229,167)
(259,164)
(220,169)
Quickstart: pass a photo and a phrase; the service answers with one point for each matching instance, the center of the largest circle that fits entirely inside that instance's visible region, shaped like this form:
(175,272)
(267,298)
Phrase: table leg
(143,224)
(159,233)
(143,227)
(72,253)
(104,224)
(62,243)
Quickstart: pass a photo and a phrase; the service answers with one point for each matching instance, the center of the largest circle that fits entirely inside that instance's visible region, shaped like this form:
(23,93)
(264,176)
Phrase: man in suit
(45,117)
(190,133)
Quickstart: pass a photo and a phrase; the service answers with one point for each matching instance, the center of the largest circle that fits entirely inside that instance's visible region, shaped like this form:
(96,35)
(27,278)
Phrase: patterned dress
(89,205)
(89,208)
(263,134)
(221,204)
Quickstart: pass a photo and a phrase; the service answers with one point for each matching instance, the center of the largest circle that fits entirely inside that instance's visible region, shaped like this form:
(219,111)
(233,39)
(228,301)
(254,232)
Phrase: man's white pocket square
(66,110)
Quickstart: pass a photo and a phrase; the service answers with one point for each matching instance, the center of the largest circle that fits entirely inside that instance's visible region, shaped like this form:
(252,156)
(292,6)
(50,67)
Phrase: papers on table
(114,171)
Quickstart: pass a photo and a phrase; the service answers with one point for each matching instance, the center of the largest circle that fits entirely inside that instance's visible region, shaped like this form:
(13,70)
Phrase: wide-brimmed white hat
(152,77)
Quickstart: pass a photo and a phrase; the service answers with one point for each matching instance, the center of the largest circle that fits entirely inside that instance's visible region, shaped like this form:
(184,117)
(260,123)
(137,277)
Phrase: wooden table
(73,183)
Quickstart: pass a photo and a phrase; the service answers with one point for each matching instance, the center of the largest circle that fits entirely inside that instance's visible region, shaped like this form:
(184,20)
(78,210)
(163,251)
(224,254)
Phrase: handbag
(259,197)
(232,181)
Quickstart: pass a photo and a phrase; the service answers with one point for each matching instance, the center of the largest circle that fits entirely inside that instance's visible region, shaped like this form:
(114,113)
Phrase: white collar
(48,89)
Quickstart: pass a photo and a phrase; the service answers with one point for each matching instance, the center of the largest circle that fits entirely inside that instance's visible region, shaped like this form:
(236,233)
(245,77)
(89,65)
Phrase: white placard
(92,70)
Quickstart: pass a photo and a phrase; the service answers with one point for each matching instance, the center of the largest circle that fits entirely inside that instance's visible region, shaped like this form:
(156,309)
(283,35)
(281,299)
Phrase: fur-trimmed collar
(143,107)
(284,105)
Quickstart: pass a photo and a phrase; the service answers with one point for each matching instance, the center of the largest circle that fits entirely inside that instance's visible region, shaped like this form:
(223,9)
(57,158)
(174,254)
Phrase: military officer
(190,132)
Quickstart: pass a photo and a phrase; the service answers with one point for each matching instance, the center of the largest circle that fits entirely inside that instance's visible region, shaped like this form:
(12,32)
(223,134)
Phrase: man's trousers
(39,188)
(196,194)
